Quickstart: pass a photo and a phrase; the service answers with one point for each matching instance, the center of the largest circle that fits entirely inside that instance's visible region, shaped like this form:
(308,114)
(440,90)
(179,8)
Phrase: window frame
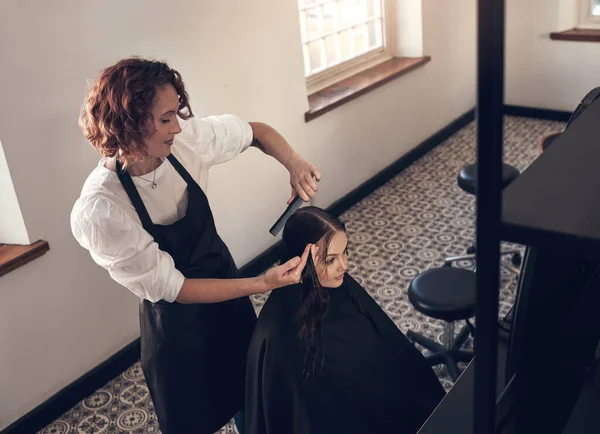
(345,69)
(586,20)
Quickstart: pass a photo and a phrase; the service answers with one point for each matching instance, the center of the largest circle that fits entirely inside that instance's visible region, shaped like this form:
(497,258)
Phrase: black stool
(467,178)
(448,294)
(467,181)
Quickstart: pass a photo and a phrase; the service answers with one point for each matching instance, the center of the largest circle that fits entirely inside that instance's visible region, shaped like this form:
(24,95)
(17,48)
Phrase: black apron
(193,355)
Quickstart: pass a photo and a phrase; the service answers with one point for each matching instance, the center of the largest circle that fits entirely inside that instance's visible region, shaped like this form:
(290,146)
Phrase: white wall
(12,226)
(541,72)
(61,315)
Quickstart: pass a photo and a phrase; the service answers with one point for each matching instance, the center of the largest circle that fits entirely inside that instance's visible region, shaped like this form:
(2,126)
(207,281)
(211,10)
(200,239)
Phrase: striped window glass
(336,31)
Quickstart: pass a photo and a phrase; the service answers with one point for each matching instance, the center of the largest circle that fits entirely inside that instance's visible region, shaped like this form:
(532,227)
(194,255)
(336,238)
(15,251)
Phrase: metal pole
(490,104)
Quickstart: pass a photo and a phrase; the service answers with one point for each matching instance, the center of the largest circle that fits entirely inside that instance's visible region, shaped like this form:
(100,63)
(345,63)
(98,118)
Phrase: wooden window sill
(352,87)
(582,35)
(13,256)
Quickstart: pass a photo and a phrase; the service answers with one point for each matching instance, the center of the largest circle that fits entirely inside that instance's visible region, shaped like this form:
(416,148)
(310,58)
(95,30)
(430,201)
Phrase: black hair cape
(371,379)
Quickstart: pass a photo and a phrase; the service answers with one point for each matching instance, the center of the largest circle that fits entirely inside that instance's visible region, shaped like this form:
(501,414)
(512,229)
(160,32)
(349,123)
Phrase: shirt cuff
(174,285)
(247,135)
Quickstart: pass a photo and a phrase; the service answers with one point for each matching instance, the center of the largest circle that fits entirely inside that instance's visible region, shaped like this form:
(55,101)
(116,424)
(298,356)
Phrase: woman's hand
(268,140)
(288,273)
(301,178)
(218,290)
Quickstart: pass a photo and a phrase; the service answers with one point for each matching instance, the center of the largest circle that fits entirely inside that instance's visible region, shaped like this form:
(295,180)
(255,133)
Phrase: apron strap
(134,196)
(181,170)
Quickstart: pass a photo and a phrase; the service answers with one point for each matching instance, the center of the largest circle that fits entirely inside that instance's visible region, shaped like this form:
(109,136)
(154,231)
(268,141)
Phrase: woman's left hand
(302,178)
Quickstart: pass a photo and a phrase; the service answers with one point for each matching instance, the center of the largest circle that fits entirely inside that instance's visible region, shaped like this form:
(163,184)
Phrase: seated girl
(324,357)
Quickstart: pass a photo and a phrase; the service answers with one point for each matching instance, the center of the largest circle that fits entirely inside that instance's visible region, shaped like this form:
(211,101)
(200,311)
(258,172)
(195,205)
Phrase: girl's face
(165,123)
(331,268)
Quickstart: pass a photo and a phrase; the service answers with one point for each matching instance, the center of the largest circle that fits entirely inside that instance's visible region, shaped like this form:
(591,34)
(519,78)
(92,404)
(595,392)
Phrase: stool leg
(461,338)
(441,355)
(448,337)
(425,342)
(435,359)
(471,327)
(451,366)
(447,360)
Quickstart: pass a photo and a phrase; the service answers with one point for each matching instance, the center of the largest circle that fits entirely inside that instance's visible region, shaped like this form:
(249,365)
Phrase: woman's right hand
(288,273)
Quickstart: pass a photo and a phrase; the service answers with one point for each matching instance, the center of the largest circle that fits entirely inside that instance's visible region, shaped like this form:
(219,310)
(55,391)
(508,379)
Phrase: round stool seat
(548,140)
(444,293)
(467,178)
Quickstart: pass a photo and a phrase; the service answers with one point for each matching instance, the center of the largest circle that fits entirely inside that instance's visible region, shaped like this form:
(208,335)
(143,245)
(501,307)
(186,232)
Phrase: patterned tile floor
(405,227)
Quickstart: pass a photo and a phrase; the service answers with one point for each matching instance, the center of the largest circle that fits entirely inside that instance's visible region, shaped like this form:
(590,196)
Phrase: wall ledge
(358,84)
(13,256)
(579,35)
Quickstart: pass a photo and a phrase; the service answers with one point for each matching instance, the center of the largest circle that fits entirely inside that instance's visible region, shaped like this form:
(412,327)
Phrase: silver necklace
(153,184)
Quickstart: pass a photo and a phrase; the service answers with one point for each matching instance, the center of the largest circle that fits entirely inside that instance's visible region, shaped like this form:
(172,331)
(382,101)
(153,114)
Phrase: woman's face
(165,123)
(331,268)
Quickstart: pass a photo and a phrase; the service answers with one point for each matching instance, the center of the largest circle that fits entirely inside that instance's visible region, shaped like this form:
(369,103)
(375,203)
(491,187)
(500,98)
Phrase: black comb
(291,209)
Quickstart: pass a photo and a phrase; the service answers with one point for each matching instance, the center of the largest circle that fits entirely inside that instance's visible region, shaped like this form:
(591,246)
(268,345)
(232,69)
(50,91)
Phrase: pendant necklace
(152,183)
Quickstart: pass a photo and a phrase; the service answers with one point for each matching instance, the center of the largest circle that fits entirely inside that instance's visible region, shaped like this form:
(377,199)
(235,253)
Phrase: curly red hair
(116,111)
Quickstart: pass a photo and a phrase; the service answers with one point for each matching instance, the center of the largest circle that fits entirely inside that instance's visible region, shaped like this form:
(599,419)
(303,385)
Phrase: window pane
(596,7)
(361,36)
(352,12)
(329,12)
(339,30)
(375,34)
(314,51)
(312,23)
(332,50)
(347,44)
(374,8)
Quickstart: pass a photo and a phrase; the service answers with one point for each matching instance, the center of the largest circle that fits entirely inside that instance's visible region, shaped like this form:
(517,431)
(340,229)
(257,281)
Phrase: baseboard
(271,255)
(61,402)
(399,165)
(537,113)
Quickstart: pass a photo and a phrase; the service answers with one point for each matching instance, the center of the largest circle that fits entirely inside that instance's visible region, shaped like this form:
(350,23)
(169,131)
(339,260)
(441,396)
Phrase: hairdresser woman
(144,216)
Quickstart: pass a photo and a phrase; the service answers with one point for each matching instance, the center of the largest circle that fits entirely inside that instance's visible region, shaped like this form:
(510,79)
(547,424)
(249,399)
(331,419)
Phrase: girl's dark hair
(309,225)
(116,111)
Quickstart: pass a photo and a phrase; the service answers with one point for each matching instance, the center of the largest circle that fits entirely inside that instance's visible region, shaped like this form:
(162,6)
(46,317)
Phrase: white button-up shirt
(104,221)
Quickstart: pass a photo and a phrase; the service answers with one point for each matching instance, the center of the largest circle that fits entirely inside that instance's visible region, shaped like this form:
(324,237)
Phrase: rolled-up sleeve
(121,245)
(217,139)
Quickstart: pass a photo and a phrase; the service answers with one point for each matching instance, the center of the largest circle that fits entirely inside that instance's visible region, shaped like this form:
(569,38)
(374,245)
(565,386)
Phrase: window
(589,14)
(341,37)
